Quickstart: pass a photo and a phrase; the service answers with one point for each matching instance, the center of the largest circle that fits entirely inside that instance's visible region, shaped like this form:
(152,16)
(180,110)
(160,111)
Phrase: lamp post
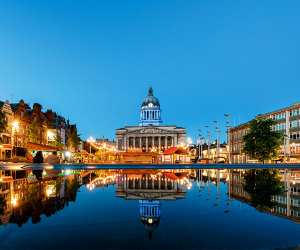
(218,131)
(199,145)
(228,126)
(14,130)
(90,140)
(208,141)
(286,145)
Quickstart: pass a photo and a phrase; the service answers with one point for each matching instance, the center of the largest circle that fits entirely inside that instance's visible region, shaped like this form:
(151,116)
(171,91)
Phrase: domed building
(150,135)
(150,110)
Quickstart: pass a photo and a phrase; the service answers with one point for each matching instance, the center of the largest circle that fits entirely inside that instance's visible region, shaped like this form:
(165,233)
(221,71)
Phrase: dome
(150,99)
(150,110)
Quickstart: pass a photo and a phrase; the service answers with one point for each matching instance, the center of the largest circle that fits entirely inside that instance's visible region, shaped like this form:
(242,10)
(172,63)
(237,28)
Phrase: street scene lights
(189,141)
(15,128)
(90,140)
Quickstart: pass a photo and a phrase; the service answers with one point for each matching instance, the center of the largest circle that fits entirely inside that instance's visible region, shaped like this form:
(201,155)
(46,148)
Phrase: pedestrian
(53,159)
(38,158)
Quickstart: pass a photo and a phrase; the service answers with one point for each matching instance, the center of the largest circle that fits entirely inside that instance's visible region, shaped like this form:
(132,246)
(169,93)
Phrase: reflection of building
(150,187)
(150,214)
(286,204)
(287,121)
(139,184)
(23,196)
(150,135)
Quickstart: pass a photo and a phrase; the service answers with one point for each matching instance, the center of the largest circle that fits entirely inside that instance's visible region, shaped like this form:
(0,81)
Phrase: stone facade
(150,135)
(149,138)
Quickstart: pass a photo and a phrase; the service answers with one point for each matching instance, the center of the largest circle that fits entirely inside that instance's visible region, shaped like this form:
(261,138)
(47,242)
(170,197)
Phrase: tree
(33,131)
(261,185)
(58,140)
(3,121)
(262,143)
(73,139)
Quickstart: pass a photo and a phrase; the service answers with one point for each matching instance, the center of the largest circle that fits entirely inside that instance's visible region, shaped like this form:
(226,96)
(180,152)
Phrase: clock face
(150,105)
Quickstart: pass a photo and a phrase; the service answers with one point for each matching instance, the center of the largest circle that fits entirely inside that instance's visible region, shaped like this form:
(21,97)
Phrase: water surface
(84,208)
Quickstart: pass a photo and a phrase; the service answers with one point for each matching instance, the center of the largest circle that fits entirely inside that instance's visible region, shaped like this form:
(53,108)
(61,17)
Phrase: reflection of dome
(150,110)
(150,215)
(150,100)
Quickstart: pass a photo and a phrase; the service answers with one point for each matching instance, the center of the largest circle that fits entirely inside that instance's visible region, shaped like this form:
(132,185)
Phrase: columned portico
(147,139)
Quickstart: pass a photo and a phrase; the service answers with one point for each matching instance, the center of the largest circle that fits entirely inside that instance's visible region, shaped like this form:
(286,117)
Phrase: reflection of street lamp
(14,201)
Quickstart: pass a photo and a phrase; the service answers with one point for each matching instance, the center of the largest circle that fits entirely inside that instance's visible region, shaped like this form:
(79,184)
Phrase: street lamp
(286,147)
(90,140)
(199,145)
(228,126)
(208,141)
(15,128)
(218,131)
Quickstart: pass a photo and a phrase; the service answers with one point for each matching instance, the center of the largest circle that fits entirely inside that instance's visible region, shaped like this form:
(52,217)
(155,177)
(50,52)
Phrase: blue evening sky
(93,61)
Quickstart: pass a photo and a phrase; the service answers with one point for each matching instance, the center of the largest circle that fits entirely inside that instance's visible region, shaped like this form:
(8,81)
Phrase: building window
(294,124)
(295,112)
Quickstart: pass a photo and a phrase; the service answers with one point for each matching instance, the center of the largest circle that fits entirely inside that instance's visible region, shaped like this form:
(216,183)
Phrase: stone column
(153,141)
(159,142)
(124,142)
(134,141)
(147,146)
(166,141)
(140,142)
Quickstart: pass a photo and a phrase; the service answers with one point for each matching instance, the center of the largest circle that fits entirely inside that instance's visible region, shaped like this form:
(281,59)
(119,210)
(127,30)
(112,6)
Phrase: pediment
(150,130)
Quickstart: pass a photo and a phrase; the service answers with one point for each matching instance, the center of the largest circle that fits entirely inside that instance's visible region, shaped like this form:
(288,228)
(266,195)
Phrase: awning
(174,150)
(39,147)
(5,146)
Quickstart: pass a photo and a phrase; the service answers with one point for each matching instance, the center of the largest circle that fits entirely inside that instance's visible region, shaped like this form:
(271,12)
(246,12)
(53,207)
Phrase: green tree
(58,140)
(33,131)
(73,139)
(3,122)
(261,142)
(261,185)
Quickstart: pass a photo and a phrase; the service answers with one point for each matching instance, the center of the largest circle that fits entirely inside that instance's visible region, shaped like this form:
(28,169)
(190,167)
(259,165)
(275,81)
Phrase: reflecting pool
(52,208)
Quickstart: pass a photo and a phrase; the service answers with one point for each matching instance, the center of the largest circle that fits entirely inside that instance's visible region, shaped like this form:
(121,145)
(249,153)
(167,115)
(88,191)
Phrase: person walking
(38,158)
(53,159)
